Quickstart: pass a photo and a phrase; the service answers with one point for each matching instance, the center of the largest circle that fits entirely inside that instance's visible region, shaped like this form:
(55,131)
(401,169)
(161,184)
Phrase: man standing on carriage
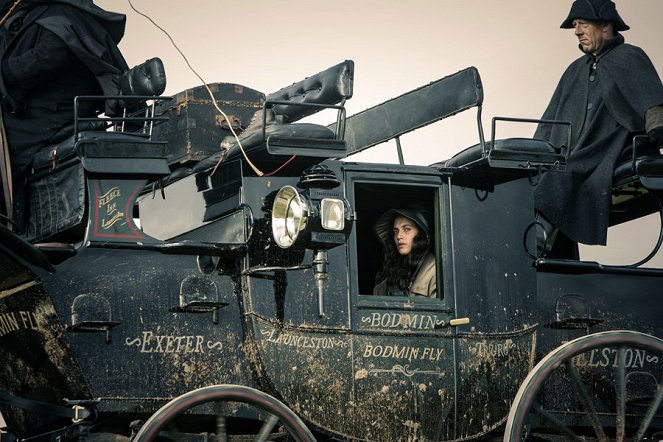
(51,51)
(609,94)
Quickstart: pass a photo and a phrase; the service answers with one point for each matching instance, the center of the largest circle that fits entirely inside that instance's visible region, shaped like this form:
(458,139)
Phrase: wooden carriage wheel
(563,362)
(279,416)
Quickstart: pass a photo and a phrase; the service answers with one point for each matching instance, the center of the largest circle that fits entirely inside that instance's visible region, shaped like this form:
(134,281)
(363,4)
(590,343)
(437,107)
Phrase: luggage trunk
(196,128)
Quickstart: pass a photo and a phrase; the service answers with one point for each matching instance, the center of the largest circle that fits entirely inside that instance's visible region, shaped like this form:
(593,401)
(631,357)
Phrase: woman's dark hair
(398,269)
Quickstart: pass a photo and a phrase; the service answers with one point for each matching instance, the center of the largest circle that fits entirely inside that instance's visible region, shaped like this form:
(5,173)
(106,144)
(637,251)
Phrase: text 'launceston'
(302,341)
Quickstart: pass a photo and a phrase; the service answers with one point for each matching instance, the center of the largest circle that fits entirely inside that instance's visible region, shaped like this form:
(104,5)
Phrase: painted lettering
(109,196)
(609,357)
(19,320)
(494,349)
(403,352)
(29,320)
(8,323)
(301,341)
(107,224)
(402,321)
(112,214)
(638,359)
(148,342)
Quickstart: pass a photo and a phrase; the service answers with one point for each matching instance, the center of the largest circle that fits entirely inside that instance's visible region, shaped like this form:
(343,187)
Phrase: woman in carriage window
(408,266)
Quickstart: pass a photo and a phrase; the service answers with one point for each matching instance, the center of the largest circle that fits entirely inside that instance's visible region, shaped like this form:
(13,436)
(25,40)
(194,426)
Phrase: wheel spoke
(620,387)
(570,417)
(585,400)
(267,428)
(651,411)
(221,433)
(559,426)
(258,404)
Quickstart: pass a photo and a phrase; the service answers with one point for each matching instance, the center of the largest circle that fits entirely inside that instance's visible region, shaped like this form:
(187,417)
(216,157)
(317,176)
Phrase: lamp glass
(289,215)
(332,214)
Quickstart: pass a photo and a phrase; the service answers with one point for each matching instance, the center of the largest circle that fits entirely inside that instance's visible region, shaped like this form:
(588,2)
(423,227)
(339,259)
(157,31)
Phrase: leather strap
(6,172)
(76,413)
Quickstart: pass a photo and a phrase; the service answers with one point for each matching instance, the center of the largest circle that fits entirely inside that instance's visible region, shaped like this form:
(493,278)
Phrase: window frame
(436,185)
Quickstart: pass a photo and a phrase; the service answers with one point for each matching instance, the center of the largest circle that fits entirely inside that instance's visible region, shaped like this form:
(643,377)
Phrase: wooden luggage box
(196,128)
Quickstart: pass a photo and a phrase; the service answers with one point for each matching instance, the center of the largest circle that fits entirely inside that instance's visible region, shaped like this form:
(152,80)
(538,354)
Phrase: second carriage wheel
(605,386)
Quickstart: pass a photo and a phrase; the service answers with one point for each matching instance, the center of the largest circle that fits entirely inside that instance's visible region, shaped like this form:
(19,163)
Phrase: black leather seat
(57,189)
(275,127)
(515,149)
(275,133)
(639,163)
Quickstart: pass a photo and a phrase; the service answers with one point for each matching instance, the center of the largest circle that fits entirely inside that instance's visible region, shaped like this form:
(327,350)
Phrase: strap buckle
(80,414)
(81,410)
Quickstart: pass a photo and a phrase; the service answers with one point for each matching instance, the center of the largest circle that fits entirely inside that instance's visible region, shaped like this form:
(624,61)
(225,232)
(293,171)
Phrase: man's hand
(656,136)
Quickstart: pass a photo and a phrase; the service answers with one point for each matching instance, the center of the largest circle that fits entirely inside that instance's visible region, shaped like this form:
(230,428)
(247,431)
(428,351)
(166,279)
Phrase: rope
(255,169)
(10,12)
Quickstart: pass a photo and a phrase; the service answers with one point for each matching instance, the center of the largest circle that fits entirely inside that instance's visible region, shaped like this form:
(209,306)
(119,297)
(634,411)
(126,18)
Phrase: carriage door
(403,359)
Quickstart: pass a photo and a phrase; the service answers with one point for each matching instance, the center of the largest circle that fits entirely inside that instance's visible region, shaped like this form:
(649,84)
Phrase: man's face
(590,34)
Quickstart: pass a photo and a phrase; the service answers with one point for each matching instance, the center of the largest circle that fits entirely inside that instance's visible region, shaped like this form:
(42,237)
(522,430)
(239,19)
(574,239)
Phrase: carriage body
(181,287)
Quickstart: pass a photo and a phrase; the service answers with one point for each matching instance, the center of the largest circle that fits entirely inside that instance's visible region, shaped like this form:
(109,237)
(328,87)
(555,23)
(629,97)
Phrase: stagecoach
(202,269)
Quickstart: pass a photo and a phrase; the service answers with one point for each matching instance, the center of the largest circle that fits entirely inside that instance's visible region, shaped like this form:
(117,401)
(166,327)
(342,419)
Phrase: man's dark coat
(53,51)
(605,98)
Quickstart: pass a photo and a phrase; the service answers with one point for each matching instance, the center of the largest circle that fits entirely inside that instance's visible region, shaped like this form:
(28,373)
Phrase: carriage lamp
(322,218)
(315,218)
(290,213)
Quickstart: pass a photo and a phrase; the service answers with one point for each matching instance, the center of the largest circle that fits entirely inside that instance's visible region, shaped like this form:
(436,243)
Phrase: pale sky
(517,46)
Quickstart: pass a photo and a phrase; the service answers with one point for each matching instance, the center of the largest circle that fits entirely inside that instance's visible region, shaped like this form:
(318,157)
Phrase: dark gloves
(656,136)
(147,78)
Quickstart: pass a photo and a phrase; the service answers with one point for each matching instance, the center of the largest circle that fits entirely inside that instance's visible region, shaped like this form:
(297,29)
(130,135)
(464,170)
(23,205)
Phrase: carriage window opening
(397,242)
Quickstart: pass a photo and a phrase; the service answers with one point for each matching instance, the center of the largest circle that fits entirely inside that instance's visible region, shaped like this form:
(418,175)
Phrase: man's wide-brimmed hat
(600,10)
